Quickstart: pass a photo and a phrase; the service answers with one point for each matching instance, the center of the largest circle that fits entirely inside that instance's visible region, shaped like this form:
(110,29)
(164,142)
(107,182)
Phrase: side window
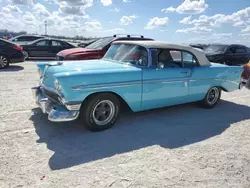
(232,50)
(189,60)
(240,50)
(42,43)
(56,43)
(169,58)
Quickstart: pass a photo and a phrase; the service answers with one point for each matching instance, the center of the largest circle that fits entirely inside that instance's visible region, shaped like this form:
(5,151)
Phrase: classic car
(246,75)
(233,54)
(140,74)
(95,50)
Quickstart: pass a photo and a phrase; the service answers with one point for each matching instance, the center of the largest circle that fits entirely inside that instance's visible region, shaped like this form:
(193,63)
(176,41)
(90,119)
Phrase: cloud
(237,19)
(115,10)
(12,18)
(213,38)
(74,7)
(115,30)
(198,30)
(246,30)
(22,2)
(106,2)
(41,11)
(126,20)
(11,9)
(156,23)
(188,7)
(169,9)
(185,20)
(92,25)
(126,1)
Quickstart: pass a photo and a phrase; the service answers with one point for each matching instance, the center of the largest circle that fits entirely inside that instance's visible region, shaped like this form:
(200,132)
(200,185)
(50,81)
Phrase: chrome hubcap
(213,95)
(103,112)
(25,54)
(3,61)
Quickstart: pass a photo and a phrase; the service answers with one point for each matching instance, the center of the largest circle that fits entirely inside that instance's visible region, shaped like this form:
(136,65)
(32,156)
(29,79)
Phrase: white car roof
(200,55)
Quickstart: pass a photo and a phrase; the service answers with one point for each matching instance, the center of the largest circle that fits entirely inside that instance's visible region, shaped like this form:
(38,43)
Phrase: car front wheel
(100,112)
(4,61)
(26,55)
(212,97)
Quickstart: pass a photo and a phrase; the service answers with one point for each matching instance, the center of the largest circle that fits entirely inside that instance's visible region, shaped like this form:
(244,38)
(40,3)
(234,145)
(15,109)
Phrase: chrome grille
(53,96)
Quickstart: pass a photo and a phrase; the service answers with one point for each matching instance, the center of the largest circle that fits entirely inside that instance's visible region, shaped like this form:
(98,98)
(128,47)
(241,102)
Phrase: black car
(45,47)
(228,54)
(10,53)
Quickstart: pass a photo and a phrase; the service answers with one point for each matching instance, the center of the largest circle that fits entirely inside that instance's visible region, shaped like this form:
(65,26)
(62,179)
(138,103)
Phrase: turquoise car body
(142,88)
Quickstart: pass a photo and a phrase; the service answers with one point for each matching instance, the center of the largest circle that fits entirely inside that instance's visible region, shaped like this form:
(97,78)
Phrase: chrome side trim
(107,85)
(207,79)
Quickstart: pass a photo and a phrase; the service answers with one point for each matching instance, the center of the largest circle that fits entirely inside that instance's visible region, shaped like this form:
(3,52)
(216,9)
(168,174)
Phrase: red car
(246,75)
(95,50)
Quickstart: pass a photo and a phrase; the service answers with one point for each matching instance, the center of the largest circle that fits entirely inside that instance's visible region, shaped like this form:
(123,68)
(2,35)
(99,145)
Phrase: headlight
(57,85)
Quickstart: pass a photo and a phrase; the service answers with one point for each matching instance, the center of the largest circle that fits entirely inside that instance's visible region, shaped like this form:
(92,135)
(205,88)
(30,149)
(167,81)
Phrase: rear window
(100,43)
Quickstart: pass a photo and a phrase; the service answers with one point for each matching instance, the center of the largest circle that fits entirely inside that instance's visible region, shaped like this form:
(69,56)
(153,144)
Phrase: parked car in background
(10,53)
(141,74)
(228,54)
(24,39)
(95,50)
(246,75)
(45,47)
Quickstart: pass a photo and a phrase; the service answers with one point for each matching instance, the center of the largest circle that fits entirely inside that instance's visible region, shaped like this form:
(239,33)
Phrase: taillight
(20,48)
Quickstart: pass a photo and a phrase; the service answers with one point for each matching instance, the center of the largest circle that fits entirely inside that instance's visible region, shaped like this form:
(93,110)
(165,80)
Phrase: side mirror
(160,65)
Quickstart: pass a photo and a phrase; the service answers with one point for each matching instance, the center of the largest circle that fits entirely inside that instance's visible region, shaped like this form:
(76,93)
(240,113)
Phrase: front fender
(77,87)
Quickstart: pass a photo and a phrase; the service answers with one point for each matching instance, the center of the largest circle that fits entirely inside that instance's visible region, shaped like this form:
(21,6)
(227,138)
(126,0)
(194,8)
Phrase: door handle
(184,72)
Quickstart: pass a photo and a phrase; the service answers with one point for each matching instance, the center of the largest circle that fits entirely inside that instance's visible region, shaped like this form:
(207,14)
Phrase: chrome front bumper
(56,113)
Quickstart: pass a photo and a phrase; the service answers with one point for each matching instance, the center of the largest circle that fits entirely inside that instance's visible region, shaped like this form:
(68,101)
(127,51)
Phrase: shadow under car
(170,127)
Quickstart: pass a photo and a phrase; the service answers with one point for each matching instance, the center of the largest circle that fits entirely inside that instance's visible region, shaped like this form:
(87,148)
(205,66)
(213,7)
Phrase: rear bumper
(56,112)
(19,59)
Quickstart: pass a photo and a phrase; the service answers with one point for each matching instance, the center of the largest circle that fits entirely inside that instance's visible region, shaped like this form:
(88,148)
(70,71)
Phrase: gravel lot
(183,146)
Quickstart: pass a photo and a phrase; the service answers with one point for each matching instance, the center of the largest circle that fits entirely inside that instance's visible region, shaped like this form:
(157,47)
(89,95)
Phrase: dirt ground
(184,146)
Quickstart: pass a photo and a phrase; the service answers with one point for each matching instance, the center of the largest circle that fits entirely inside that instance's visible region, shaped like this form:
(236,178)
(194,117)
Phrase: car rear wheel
(100,112)
(4,61)
(212,97)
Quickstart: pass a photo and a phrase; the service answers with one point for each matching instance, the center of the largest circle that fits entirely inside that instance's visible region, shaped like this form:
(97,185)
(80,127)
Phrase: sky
(178,21)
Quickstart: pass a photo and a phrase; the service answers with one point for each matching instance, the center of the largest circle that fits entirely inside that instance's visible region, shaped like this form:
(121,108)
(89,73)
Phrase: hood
(67,69)
(87,65)
(71,51)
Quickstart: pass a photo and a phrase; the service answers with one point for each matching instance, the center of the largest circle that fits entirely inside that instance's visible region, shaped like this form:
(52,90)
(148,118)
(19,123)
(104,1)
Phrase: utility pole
(45,26)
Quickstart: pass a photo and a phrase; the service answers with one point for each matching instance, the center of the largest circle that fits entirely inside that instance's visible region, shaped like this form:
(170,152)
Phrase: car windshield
(100,43)
(212,49)
(127,54)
